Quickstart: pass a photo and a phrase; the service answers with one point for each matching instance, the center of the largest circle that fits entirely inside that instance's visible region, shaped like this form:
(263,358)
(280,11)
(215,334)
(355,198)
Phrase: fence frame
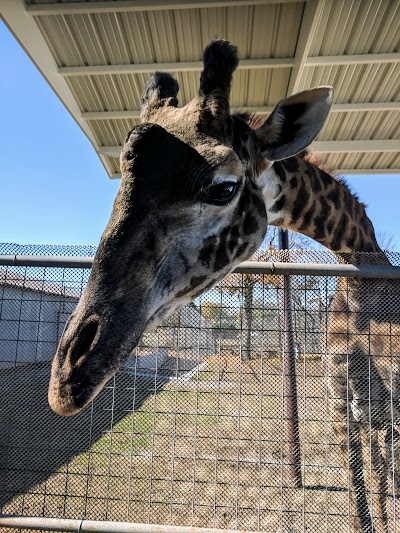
(247,267)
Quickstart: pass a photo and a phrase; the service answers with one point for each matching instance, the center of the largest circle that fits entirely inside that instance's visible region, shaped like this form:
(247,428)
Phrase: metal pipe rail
(247,267)
(96,526)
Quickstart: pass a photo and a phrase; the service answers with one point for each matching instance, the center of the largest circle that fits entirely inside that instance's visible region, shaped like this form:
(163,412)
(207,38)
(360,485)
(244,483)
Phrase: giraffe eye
(220,193)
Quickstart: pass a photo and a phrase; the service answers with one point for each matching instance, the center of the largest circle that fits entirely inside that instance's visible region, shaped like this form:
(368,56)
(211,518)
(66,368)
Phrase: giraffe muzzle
(88,355)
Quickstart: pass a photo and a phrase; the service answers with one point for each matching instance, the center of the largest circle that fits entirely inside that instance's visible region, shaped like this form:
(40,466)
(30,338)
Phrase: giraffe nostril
(83,343)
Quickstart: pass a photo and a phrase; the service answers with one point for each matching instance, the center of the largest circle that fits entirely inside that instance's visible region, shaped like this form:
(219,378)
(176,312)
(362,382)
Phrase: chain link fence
(193,429)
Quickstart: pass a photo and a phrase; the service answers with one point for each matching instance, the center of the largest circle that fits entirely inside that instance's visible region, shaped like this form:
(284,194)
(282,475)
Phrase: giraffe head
(188,211)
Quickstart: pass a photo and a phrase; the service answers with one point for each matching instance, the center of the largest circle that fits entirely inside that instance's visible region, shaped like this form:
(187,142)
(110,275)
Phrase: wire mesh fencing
(193,430)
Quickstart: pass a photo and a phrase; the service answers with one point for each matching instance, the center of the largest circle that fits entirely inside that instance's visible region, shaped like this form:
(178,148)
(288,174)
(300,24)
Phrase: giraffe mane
(312,157)
(253,120)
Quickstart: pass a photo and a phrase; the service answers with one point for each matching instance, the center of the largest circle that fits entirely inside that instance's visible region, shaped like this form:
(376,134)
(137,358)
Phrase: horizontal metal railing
(247,267)
(96,526)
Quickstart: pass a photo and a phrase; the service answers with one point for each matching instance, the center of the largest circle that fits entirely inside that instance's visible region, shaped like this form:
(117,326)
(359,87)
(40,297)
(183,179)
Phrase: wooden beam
(125,6)
(309,23)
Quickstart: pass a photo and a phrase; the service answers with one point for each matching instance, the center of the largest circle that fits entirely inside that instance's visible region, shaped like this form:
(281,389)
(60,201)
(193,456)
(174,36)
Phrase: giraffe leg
(379,485)
(392,446)
(348,436)
(351,451)
(362,521)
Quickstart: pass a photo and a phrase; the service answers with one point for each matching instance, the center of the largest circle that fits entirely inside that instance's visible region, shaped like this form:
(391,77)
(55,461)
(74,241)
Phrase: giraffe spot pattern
(280,171)
(207,251)
(307,217)
(301,200)
(250,224)
(221,258)
(334,197)
(291,164)
(278,205)
(339,232)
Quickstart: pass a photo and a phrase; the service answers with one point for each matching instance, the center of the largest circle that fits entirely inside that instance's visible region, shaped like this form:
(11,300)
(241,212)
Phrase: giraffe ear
(294,123)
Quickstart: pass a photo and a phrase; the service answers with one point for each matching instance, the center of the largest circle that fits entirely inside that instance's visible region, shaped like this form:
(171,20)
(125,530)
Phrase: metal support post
(289,372)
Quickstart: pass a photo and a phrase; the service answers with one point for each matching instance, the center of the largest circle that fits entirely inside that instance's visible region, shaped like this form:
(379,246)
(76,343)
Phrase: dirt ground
(208,452)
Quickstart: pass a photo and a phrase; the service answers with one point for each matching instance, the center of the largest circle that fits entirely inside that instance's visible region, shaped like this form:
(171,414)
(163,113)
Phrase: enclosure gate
(193,431)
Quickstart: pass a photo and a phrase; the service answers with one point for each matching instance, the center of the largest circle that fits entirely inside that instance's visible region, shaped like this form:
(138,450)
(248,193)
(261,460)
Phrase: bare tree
(387,241)
(243,284)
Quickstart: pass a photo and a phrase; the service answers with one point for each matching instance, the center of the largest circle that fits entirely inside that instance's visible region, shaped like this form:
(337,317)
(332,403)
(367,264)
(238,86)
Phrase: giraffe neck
(302,197)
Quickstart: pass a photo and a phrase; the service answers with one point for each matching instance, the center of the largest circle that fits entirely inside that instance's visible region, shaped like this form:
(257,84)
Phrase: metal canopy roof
(97,56)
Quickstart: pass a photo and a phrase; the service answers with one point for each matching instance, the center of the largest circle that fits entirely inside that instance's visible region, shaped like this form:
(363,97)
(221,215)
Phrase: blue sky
(54,189)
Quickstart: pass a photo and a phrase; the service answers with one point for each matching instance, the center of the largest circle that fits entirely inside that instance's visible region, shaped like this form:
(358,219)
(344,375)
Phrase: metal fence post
(289,373)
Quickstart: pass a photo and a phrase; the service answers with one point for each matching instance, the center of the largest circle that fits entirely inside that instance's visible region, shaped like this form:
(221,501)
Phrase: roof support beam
(346,171)
(355,59)
(197,66)
(311,15)
(264,110)
(388,145)
(184,66)
(135,113)
(141,5)
(365,106)
(338,172)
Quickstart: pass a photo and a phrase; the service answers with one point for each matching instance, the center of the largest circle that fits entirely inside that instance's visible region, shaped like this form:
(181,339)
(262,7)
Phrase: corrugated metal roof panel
(345,27)
(112,132)
(123,91)
(364,125)
(363,160)
(170,36)
(109,92)
(357,27)
(114,164)
(377,82)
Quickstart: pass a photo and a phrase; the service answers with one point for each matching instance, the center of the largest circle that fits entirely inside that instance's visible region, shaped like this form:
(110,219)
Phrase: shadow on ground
(36,443)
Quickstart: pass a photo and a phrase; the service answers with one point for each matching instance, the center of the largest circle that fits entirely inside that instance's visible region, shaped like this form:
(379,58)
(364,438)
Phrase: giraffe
(189,209)
(199,186)
(363,333)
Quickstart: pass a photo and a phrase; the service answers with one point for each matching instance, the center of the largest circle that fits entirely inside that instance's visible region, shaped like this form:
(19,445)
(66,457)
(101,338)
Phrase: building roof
(97,56)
